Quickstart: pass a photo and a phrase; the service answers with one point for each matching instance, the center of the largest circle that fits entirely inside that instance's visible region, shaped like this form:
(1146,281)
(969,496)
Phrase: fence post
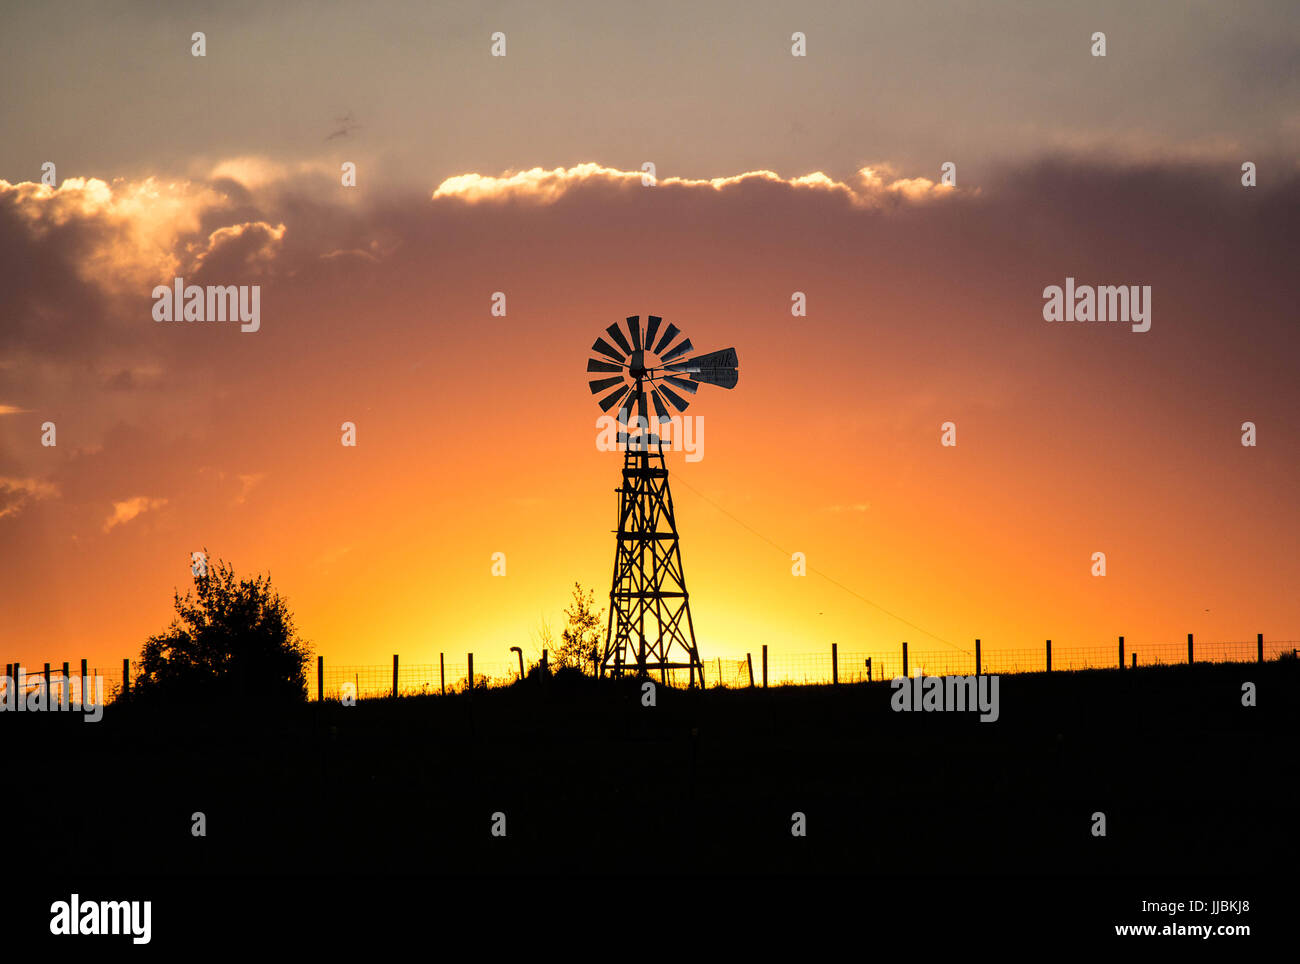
(905,660)
(471,674)
(83,682)
(749,658)
(719,670)
(1049,655)
(442,670)
(1189,649)
(1259,647)
(765,666)
(978,663)
(320,678)
(1135,660)
(1121,652)
(835,664)
(48,694)
(868,669)
(546,668)
(66,689)
(394,675)
(126,677)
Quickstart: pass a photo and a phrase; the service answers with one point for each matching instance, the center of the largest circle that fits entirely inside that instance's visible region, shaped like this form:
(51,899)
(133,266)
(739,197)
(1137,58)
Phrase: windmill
(650,628)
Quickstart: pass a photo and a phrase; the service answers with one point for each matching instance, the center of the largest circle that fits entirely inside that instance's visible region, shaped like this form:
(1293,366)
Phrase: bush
(231,641)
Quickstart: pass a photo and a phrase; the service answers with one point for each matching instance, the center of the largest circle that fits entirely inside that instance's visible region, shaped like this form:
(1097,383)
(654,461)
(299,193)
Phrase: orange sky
(476,434)
(776,174)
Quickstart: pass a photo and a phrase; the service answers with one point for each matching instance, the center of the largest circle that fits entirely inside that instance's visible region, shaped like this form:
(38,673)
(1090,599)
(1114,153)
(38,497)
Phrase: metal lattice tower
(650,627)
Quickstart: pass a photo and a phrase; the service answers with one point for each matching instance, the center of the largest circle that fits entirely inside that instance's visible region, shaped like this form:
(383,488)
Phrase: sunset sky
(522,174)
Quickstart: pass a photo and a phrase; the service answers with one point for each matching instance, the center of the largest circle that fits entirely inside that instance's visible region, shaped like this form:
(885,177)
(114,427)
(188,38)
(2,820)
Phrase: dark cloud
(409,279)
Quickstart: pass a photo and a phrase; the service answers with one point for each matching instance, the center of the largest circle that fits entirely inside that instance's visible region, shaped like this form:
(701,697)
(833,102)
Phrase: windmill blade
(722,377)
(605,348)
(634,329)
(661,410)
(678,402)
(685,384)
(619,339)
(596,365)
(600,384)
(652,326)
(681,349)
(669,335)
(627,402)
(613,398)
(627,411)
(726,358)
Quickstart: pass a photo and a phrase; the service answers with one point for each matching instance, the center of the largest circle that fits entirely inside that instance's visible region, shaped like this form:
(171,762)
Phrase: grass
(591,781)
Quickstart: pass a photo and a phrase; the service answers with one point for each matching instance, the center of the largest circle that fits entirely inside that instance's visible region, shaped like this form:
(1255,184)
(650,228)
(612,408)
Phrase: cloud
(132,377)
(128,509)
(15,493)
(733,247)
(232,249)
(246,483)
(247,480)
(254,172)
(871,187)
(12,410)
(350,253)
(124,234)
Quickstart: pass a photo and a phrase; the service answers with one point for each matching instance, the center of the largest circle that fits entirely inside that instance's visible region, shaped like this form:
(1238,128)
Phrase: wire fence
(55,687)
(756,669)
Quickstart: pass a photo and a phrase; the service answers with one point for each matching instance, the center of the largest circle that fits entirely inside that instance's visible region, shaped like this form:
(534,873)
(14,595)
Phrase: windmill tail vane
(650,627)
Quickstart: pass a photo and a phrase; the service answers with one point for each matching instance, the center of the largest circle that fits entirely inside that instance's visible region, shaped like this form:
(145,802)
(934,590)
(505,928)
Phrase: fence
(452,675)
(58,685)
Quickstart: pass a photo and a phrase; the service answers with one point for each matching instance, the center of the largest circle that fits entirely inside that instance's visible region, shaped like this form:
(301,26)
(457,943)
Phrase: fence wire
(452,675)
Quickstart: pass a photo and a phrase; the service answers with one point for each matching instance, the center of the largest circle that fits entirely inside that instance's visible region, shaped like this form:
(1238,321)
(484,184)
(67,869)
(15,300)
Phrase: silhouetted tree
(581,632)
(231,640)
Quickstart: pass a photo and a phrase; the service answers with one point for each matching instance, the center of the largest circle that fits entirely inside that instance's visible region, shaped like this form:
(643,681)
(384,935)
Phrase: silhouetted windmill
(650,625)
